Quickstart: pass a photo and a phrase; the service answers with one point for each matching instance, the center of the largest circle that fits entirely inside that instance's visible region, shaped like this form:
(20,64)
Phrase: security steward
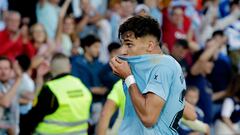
(63,106)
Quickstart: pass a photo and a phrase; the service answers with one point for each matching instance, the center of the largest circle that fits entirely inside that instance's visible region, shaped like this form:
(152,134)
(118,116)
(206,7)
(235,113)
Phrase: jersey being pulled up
(161,75)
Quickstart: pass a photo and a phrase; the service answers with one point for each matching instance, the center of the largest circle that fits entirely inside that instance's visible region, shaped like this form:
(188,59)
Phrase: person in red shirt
(175,26)
(12,41)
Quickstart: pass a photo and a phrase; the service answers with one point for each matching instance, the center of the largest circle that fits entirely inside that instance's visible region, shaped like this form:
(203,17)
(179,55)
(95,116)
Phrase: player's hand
(120,67)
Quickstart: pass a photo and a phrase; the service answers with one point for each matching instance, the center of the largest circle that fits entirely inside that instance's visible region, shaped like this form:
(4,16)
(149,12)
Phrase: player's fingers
(113,67)
(115,63)
(114,70)
(119,60)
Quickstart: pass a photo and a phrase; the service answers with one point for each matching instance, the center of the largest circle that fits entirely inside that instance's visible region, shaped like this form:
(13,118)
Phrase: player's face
(132,46)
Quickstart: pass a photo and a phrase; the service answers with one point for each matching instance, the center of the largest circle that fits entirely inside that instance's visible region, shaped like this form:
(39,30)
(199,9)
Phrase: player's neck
(157,51)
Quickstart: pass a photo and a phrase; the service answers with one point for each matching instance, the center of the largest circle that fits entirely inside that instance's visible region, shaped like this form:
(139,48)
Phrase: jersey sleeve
(160,81)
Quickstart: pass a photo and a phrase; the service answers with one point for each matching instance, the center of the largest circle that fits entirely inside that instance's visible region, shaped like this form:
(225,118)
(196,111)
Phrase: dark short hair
(4,58)
(113,46)
(24,62)
(89,40)
(217,33)
(182,42)
(141,26)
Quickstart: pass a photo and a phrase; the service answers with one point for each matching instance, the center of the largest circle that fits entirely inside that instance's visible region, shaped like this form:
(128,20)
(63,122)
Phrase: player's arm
(147,106)
(106,114)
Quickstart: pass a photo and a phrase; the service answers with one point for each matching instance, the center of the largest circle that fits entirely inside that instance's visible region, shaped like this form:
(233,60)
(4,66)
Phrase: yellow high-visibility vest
(71,117)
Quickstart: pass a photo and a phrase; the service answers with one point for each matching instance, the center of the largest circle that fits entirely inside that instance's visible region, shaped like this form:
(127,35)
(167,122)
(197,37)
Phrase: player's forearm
(140,105)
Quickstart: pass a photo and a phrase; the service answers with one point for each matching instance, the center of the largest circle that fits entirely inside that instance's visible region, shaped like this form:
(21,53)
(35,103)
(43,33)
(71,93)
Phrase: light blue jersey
(161,75)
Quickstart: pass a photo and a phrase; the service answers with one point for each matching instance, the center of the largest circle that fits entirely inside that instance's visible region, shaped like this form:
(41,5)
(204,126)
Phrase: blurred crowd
(202,35)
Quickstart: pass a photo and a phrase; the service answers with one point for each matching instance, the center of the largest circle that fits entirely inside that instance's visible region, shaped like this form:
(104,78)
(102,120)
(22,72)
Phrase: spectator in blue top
(202,66)
(108,79)
(87,68)
(220,76)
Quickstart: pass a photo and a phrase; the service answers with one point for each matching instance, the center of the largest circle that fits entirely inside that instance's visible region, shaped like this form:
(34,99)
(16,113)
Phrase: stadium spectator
(47,12)
(202,66)
(9,109)
(108,79)
(115,101)
(221,73)
(3,11)
(175,26)
(228,124)
(210,23)
(233,33)
(154,11)
(69,28)
(27,87)
(192,96)
(63,41)
(120,12)
(58,102)
(92,22)
(142,10)
(179,52)
(12,41)
(43,47)
(87,68)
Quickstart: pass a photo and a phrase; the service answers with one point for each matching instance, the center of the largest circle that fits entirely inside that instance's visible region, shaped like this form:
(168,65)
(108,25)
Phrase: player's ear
(151,46)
